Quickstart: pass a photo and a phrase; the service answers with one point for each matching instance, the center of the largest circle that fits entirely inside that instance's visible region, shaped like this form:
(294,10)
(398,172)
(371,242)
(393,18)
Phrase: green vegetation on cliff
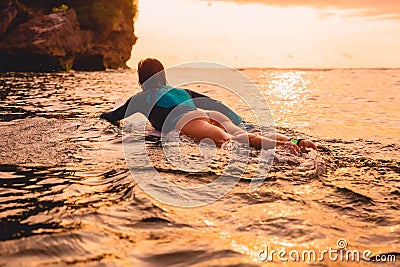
(94,15)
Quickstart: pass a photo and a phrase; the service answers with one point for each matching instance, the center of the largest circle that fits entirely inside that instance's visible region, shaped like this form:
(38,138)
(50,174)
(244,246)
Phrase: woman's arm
(120,113)
(205,102)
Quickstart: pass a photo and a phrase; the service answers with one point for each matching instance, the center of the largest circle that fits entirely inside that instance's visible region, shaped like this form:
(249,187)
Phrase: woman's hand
(108,117)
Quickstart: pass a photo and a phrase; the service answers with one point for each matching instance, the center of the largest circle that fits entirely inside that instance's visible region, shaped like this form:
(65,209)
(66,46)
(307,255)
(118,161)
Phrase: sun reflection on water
(287,90)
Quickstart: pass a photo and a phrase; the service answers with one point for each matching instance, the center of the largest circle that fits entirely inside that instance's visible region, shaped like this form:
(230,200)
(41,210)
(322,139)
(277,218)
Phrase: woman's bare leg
(303,144)
(241,135)
(196,124)
(201,129)
(220,128)
(225,123)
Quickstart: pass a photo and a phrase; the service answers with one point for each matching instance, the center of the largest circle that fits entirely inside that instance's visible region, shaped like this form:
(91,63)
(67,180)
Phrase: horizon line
(303,68)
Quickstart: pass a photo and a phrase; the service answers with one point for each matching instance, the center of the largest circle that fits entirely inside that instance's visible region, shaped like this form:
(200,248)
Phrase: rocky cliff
(53,35)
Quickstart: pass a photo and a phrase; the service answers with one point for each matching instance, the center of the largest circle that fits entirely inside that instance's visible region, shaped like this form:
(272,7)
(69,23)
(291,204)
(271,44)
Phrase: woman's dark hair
(151,68)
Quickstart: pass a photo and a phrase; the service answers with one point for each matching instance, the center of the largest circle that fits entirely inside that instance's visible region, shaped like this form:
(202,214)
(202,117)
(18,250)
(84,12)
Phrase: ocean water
(67,196)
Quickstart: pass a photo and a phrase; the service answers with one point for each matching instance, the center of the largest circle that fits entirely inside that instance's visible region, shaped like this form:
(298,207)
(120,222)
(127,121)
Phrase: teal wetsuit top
(166,105)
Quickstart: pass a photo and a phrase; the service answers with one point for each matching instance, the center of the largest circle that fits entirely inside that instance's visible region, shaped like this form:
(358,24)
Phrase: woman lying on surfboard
(169,108)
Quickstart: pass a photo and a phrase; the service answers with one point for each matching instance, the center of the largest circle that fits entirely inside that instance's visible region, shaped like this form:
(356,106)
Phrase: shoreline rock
(33,41)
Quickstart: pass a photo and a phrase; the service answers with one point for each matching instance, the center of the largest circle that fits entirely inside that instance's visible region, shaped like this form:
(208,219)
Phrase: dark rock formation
(32,39)
(44,43)
(8,12)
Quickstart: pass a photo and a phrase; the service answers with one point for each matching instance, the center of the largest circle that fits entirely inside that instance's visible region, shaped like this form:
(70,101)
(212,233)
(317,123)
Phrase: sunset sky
(268,33)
